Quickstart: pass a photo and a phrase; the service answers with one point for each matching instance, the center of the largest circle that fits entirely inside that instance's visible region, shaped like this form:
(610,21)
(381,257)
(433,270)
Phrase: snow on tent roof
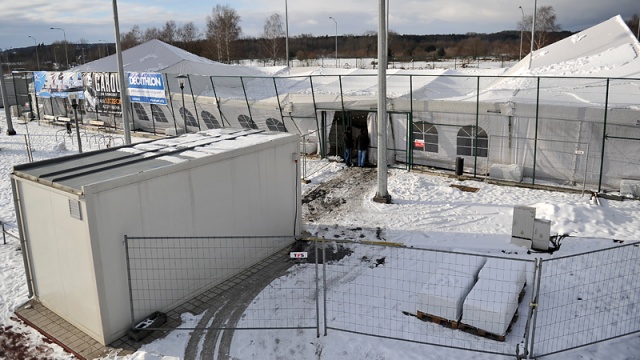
(606,50)
(157,56)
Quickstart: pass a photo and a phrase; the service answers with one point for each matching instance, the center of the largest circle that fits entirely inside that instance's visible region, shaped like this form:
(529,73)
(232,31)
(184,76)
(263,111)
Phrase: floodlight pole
(66,56)
(74,103)
(184,110)
(124,93)
(286,21)
(334,20)
(35,42)
(521,31)
(533,31)
(382,196)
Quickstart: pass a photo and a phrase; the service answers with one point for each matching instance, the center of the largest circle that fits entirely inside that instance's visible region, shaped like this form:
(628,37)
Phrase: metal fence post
(324,283)
(535,142)
(534,305)
(604,135)
(528,327)
(317,291)
(126,248)
(195,107)
(173,113)
(4,237)
(475,142)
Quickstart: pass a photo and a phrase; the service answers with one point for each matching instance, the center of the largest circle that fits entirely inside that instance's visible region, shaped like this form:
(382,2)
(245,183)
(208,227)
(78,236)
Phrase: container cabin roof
(72,173)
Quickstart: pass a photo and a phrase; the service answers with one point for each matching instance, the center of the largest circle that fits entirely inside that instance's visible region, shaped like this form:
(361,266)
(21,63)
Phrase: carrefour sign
(146,88)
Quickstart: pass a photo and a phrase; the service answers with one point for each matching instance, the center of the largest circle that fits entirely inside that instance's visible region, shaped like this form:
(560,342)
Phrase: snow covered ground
(426,212)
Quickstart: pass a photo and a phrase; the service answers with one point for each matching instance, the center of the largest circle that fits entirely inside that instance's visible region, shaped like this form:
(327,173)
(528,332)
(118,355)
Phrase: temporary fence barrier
(525,307)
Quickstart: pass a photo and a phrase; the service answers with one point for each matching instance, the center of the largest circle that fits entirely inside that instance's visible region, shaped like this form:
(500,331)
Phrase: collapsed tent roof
(574,70)
(157,56)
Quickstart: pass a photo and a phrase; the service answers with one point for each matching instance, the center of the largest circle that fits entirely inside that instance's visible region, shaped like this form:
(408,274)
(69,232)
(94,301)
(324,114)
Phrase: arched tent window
(425,137)
(139,109)
(209,120)
(188,117)
(246,122)
(466,145)
(275,125)
(158,114)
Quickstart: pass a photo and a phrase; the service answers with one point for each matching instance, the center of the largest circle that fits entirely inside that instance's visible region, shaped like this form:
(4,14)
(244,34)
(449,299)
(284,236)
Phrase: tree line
(222,40)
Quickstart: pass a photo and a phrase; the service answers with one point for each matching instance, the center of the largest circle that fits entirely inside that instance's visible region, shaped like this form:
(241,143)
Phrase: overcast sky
(92,20)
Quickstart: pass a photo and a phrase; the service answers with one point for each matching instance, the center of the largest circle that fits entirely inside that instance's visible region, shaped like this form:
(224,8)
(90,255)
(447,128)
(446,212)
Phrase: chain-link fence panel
(231,282)
(587,298)
(455,300)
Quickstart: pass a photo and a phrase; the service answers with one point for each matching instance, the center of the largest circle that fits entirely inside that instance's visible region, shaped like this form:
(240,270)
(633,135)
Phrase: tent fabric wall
(558,104)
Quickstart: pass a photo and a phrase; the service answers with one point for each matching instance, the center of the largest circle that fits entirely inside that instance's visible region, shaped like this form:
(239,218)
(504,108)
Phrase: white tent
(157,56)
(571,118)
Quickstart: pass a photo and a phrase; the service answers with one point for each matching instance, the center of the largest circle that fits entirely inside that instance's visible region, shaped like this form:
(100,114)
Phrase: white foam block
(630,187)
(506,172)
(505,270)
(444,294)
(491,305)
(463,264)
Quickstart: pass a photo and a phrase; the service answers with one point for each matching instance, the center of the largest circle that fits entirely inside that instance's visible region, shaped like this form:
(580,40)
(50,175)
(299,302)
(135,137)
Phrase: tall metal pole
(286,21)
(124,93)
(74,104)
(35,42)
(521,31)
(382,196)
(181,78)
(533,31)
(66,55)
(5,101)
(334,20)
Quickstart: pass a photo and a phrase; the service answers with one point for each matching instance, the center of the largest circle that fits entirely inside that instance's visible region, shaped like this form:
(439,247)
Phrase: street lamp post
(286,21)
(37,56)
(73,96)
(66,56)
(181,78)
(334,20)
(521,31)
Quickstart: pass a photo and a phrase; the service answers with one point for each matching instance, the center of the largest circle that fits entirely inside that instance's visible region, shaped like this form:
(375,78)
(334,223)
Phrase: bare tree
(223,27)
(168,32)
(371,40)
(187,32)
(634,24)
(545,24)
(152,33)
(473,47)
(131,38)
(272,36)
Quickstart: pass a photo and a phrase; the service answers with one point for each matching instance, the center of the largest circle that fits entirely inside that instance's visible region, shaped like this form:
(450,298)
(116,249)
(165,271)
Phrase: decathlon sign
(146,88)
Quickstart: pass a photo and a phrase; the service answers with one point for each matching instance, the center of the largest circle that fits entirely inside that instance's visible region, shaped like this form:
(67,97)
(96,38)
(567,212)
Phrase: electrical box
(541,234)
(523,220)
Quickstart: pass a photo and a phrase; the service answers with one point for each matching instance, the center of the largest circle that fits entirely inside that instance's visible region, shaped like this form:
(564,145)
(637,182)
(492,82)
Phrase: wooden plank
(465,188)
(437,320)
(483,333)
